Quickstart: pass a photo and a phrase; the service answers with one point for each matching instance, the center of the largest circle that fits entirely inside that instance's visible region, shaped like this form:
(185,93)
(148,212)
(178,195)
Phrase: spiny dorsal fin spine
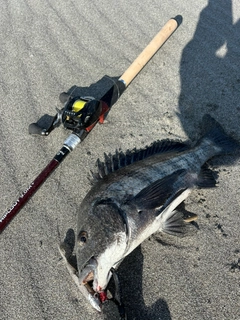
(119,160)
(100,166)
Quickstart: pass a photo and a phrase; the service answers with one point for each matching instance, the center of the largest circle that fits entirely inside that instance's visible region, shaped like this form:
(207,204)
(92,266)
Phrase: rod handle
(155,44)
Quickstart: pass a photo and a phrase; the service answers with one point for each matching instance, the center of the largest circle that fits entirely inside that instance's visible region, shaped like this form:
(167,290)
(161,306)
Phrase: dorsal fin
(119,160)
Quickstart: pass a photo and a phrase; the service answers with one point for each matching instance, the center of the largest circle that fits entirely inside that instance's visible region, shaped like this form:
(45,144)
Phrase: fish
(136,194)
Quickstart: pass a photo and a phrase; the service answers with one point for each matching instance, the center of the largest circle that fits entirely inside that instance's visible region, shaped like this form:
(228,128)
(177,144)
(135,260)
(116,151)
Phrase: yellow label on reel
(78,105)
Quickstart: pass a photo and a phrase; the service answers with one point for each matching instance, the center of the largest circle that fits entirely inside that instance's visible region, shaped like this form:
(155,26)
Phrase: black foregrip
(114,93)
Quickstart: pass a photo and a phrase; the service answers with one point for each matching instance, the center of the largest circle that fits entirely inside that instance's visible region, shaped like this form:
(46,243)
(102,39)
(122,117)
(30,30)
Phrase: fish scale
(138,179)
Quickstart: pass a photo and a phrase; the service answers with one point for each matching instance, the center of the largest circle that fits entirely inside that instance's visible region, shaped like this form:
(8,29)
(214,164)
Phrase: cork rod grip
(149,51)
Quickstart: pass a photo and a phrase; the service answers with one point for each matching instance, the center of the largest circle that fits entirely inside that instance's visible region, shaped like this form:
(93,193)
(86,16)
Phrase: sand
(47,47)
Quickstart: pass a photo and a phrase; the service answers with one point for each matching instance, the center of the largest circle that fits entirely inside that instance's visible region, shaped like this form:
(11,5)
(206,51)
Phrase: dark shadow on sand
(130,274)
(209,70)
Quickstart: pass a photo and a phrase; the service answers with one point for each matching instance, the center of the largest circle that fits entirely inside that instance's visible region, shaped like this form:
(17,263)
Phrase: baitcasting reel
(78,114)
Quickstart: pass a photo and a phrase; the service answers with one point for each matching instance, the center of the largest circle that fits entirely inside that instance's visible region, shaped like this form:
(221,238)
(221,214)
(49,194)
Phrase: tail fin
(214,132)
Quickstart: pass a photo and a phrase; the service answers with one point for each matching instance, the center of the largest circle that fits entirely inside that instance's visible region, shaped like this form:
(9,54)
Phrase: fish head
(100,243)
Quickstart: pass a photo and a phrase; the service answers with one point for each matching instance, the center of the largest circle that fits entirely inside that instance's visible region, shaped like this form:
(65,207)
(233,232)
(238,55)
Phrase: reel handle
(35,129)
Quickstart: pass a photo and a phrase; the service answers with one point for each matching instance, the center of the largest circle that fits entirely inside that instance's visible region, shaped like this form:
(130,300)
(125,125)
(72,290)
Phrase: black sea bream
(137,194)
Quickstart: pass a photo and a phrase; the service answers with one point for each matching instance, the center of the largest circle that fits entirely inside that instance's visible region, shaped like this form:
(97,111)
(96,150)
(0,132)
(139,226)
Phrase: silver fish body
(136,195)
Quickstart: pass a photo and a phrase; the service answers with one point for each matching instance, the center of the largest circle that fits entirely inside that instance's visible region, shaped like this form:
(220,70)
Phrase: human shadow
(209,71)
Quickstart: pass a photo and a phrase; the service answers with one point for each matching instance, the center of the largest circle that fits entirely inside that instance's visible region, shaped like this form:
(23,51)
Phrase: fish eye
(82,237)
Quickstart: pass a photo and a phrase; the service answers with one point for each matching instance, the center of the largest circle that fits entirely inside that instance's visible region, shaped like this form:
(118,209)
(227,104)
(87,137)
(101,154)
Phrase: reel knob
(35,129)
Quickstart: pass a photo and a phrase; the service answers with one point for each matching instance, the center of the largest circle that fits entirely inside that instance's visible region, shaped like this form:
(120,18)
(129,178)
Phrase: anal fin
(188,216)
(206,178)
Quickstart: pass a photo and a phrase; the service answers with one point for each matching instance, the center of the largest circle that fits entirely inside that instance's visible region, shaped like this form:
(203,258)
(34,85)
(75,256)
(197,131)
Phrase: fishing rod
(81,114)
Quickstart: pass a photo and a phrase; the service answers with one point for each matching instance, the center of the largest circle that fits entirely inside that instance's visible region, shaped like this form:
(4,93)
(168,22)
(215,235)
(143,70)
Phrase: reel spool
(80,112)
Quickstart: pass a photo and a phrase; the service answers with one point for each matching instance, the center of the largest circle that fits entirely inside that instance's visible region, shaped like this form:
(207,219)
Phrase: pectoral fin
(159,192)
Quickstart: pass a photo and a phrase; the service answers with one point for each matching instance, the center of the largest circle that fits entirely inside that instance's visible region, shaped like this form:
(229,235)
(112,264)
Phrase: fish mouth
(87,276)
(88,281)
